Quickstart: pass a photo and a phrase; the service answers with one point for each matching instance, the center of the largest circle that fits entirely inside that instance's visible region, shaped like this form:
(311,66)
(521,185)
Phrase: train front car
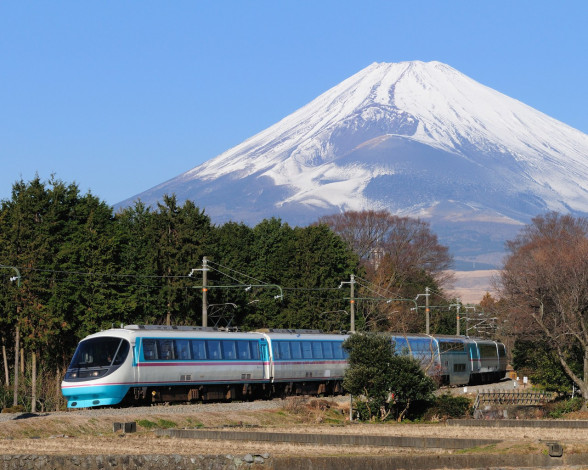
(99,371)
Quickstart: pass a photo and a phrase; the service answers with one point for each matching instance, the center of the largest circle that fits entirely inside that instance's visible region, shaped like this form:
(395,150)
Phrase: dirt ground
(79,433)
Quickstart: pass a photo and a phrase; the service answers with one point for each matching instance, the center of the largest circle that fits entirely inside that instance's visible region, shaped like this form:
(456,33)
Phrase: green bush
(388,385)
(446,406)
(563,407)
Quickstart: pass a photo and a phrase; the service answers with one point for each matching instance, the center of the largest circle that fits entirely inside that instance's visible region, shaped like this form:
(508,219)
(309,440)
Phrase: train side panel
(306,363)
(456,368)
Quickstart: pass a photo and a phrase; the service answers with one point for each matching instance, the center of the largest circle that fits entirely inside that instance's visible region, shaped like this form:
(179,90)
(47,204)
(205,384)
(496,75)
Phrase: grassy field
(78,433)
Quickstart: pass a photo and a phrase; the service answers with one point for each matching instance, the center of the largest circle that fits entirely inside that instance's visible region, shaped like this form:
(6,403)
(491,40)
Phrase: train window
(454,346)
(254,349)
(296,349)
(99,352)
(166,349)
(276,350)
(121,354)
(213,349)
(328,350)
(338,352)
(285,350)
(229,349)
(488,350)
(459,367)
(183,348)
(150,350)
(243,350)
(415,345)
(317,350)
(306,350)
(401,346)
(198,349)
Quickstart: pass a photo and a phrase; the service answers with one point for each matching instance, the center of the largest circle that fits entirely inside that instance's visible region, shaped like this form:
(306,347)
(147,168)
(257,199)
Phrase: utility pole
(352,306)
(16,355)
(204,291)
(351,301)
(457,305)
(427,312)
(467,318)
(17,338)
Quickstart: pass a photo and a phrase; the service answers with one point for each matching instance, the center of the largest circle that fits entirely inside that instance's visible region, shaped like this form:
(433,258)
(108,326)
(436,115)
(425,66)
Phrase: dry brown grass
(79,434)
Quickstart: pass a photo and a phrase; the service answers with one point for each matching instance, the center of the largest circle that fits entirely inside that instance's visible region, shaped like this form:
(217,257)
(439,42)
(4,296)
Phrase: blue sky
(119,96)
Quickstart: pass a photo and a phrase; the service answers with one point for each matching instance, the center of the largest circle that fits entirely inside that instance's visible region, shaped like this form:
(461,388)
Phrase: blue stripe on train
(95,395)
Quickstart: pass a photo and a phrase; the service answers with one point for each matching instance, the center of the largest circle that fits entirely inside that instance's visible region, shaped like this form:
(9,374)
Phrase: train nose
(93,395)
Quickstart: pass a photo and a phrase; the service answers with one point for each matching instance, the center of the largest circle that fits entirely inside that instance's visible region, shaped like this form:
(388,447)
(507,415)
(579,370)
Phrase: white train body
(150,364)
(147,364)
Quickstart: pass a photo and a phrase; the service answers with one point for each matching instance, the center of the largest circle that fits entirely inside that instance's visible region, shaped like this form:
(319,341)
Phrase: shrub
(386,385)
(452,407)
(563,407)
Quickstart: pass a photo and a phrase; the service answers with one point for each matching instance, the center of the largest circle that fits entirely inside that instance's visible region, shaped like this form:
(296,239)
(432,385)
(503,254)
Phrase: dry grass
(79,434)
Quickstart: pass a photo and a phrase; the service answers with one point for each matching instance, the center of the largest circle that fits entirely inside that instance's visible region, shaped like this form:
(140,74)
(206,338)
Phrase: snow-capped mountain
(416,138)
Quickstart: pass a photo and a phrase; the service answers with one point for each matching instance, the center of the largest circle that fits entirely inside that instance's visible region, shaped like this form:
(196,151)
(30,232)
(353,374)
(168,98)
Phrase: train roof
(161,331)
(164,331)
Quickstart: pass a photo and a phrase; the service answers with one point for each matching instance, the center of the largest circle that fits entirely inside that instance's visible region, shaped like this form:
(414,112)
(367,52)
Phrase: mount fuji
(418,139)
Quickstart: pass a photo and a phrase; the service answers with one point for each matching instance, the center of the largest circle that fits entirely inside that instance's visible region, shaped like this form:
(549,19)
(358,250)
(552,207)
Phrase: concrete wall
(229,462)
(329,439)
(520,423)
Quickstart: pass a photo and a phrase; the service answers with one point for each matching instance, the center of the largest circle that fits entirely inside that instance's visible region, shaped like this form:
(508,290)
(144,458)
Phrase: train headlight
(73,375)
(95,373)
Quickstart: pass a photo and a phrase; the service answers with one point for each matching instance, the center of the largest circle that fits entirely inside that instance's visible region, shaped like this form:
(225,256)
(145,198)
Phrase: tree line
(83,268)
(70,266)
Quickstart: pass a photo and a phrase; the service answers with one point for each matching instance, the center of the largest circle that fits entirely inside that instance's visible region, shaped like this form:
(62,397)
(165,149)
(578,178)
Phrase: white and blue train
(154,364)
(150,364)
(455,360)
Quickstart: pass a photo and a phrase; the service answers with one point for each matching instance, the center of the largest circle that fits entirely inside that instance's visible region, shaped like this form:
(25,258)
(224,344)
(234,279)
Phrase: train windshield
(100,352)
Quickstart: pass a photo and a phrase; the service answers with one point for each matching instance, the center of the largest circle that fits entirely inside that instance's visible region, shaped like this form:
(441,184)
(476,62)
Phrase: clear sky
(119,96)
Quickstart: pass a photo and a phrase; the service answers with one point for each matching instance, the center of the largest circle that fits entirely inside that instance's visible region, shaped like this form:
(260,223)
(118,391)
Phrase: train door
(474,358)
(137,360)
(264,353)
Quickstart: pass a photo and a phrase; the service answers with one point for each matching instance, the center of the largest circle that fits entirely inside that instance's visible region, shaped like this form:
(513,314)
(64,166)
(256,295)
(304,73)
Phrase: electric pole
(352,306)
(457,305)
(458,326)
(427,311)
(351,301)
(204,291)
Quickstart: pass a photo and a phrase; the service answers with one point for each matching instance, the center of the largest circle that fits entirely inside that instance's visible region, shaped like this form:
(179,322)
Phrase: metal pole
(458,326)
(204,291)
(17,342)
(16,371)
(352,307)
(427,312)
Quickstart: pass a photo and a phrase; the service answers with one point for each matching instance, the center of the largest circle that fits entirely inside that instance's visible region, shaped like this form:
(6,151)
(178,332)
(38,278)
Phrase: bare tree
(392,247)
(545,280)
(400,256)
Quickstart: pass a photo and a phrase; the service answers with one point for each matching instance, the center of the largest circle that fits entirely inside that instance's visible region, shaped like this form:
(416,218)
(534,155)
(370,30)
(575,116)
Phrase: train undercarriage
(206,393)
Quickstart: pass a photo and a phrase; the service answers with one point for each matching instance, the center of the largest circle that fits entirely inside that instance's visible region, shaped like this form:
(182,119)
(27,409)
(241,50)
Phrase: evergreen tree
(383,382)
(181,237)
(55,236)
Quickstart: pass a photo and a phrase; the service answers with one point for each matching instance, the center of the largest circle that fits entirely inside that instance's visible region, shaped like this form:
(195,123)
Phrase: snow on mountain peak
(416,138)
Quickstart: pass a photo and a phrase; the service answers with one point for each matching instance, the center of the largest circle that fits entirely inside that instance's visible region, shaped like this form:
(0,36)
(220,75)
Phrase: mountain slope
(416,138)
